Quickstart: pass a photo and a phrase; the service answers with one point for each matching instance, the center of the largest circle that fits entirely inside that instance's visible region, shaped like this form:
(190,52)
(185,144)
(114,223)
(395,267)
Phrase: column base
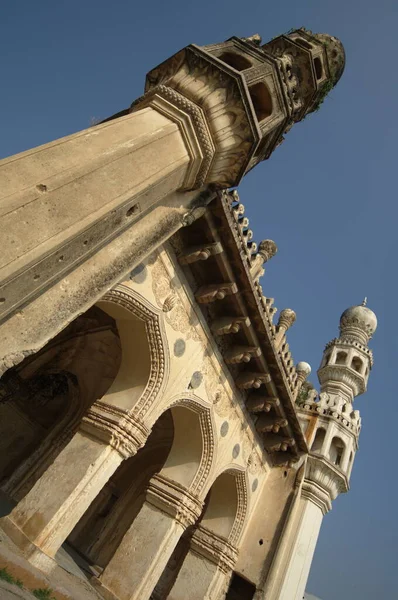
(30,551)
(102,589)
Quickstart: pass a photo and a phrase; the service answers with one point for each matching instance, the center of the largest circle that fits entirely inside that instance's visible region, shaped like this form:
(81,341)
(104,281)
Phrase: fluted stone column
(43,519)
(207,568)
(147,546)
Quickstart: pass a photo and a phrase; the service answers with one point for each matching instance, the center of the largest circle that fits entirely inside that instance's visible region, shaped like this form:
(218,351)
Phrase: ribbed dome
(335,53)
(358,317)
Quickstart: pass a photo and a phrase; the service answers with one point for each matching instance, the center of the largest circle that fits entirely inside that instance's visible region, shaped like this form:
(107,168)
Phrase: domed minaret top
(358,323)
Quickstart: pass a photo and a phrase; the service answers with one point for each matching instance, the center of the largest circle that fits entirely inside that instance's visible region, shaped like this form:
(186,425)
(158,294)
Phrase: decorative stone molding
(220,91)
(192,122)
(217,291)
(214,548)
(209,439)
(243,506)
(340,378)
(199,253)
(330,407)
(323,482)
(122,431)
(157,341)
(348,343)
(227,325)
(173,499)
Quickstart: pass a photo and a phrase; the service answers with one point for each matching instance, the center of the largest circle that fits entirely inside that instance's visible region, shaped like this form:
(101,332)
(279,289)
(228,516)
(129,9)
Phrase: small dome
(360,317)
(303,367)
(335,53)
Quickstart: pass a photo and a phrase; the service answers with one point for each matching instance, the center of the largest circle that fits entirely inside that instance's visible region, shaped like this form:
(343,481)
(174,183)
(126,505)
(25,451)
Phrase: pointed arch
(138,306)
(199,406)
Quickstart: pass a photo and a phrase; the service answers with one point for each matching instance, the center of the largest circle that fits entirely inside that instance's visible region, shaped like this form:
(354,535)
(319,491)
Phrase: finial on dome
(358,323)
(364,301)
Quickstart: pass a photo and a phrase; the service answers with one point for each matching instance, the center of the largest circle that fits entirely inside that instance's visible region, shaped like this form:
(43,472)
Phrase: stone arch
(123,301)
(337,450)
(242,499)
(50,391)
(209,438)
(341,358)
(319,439)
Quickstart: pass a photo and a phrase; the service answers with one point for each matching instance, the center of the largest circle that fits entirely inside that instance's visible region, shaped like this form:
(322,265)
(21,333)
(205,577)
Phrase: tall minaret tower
(331,425)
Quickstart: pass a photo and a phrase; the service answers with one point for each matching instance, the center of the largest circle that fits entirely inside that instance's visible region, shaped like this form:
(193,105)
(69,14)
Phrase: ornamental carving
(157,341)
(168,300)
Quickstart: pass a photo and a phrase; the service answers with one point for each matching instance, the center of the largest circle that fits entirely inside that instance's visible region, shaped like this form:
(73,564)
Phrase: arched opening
(319,439)
(236,61)
(318,67)
(217,519)
(174,450)
(357,364)
(46,396)
(341,358)
(336,451)
(135,367)
(99,532)
(262,100)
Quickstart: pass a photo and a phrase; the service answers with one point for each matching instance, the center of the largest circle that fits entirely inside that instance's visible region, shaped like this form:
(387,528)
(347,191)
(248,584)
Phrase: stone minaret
(332,427)
(81,212)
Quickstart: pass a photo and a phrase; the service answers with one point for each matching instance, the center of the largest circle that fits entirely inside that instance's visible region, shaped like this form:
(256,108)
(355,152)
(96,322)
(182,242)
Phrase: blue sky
(327,197)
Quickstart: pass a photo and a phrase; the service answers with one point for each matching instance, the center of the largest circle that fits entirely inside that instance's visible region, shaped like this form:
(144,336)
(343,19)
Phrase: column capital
(192,123)
(221,113)
(215,548)
(174,499)
(122,431)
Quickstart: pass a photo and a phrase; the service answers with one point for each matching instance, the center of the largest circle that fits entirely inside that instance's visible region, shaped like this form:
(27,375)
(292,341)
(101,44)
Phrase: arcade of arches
(142,504)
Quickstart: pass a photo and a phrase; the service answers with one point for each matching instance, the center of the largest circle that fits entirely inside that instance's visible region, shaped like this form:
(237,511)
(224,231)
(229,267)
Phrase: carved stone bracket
(239,354)
(267,423)
(275,443)
(226,325)
(257,403)
(217,291)
(246,381)
(202,252)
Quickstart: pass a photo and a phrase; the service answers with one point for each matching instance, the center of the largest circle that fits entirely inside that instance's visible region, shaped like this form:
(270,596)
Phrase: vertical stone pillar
(321,484)
(43,519)
(207,568)
(302,547)
(147,546)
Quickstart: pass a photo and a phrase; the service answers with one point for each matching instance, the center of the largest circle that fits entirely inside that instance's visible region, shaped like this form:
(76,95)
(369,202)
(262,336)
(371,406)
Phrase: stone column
(207,568)
(302,547)
(43,519)
(291,566)
(80,213)
(147,546)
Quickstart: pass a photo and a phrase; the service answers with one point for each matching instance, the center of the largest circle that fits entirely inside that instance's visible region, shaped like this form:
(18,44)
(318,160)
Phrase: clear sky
(327,197)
